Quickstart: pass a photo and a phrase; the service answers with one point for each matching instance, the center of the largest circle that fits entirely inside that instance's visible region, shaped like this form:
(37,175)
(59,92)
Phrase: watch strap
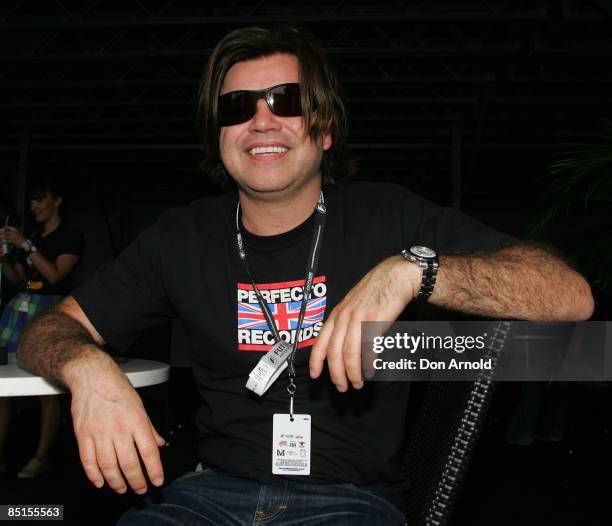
(429,274)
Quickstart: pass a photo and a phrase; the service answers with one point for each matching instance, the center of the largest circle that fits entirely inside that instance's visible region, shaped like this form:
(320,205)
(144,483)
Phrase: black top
(187,266)
(62,240)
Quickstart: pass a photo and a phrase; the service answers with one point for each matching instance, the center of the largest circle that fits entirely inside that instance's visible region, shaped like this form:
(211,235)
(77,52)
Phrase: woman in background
(41,269)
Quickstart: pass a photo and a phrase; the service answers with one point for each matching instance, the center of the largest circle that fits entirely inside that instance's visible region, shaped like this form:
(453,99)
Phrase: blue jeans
(217,499)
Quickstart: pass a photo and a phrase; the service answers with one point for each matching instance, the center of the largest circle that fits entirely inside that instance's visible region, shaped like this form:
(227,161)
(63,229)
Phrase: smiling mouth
(267,151)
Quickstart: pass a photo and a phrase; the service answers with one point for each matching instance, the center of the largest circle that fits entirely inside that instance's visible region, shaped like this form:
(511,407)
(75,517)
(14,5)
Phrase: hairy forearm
(521,282)
(52,343)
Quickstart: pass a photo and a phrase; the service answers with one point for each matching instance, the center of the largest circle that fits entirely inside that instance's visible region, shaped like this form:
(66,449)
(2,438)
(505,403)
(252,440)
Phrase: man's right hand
(112,428)
(111,425)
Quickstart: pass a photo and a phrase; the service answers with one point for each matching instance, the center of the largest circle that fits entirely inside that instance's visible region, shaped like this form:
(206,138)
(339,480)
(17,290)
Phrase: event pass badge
(269,367)
(291,445)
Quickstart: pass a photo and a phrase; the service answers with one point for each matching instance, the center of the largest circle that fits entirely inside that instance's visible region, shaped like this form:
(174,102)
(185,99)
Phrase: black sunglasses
(240,106)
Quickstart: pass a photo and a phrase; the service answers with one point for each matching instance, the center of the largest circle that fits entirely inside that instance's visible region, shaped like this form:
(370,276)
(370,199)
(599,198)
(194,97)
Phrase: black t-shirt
(62,240)
(187,266)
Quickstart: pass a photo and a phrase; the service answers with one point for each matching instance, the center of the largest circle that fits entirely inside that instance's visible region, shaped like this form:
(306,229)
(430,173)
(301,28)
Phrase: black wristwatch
(427,259)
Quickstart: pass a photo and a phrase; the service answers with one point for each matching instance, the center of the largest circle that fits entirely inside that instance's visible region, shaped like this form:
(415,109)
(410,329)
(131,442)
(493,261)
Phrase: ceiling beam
(373,16)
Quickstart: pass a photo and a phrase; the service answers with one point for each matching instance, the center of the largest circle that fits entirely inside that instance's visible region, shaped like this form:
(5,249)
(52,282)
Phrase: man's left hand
(381,295)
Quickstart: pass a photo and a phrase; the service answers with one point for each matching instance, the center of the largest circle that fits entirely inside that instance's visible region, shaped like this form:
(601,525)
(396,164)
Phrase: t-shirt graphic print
(284,300)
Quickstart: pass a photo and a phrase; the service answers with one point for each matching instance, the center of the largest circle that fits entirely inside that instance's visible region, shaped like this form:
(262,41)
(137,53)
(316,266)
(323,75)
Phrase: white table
(17,382)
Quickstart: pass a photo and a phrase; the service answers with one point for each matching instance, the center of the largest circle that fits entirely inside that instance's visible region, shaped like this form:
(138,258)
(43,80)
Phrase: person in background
(41,268)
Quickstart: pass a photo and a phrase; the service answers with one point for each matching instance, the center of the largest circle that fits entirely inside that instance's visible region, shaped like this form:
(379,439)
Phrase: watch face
(423,252)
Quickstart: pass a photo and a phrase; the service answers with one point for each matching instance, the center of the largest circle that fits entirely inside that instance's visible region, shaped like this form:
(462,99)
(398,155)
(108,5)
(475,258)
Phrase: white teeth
(268,149)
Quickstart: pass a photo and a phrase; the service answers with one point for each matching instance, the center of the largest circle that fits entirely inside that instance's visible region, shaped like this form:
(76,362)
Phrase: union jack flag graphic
(284,302)
(286,315)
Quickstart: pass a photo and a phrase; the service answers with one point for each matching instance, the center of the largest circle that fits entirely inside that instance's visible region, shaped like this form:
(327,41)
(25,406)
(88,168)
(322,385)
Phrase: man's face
(259,172)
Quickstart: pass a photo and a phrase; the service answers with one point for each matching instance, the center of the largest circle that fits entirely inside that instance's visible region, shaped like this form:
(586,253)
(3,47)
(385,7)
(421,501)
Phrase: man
(273,115)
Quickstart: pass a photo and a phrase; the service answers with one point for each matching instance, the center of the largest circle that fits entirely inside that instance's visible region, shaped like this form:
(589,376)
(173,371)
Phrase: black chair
(444,434)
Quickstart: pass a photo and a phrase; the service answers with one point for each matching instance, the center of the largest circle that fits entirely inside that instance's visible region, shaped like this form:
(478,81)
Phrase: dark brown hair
(41,185)
(319,84)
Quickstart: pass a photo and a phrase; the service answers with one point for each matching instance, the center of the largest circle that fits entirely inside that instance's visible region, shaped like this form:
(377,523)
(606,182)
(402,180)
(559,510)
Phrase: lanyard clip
(291,388)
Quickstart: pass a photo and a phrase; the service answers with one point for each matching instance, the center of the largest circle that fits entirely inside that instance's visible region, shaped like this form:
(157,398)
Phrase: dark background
(464,102)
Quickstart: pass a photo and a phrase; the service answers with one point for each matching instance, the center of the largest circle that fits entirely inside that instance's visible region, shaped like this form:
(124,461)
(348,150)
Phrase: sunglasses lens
(240,106)
(236,107)
(284,100)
